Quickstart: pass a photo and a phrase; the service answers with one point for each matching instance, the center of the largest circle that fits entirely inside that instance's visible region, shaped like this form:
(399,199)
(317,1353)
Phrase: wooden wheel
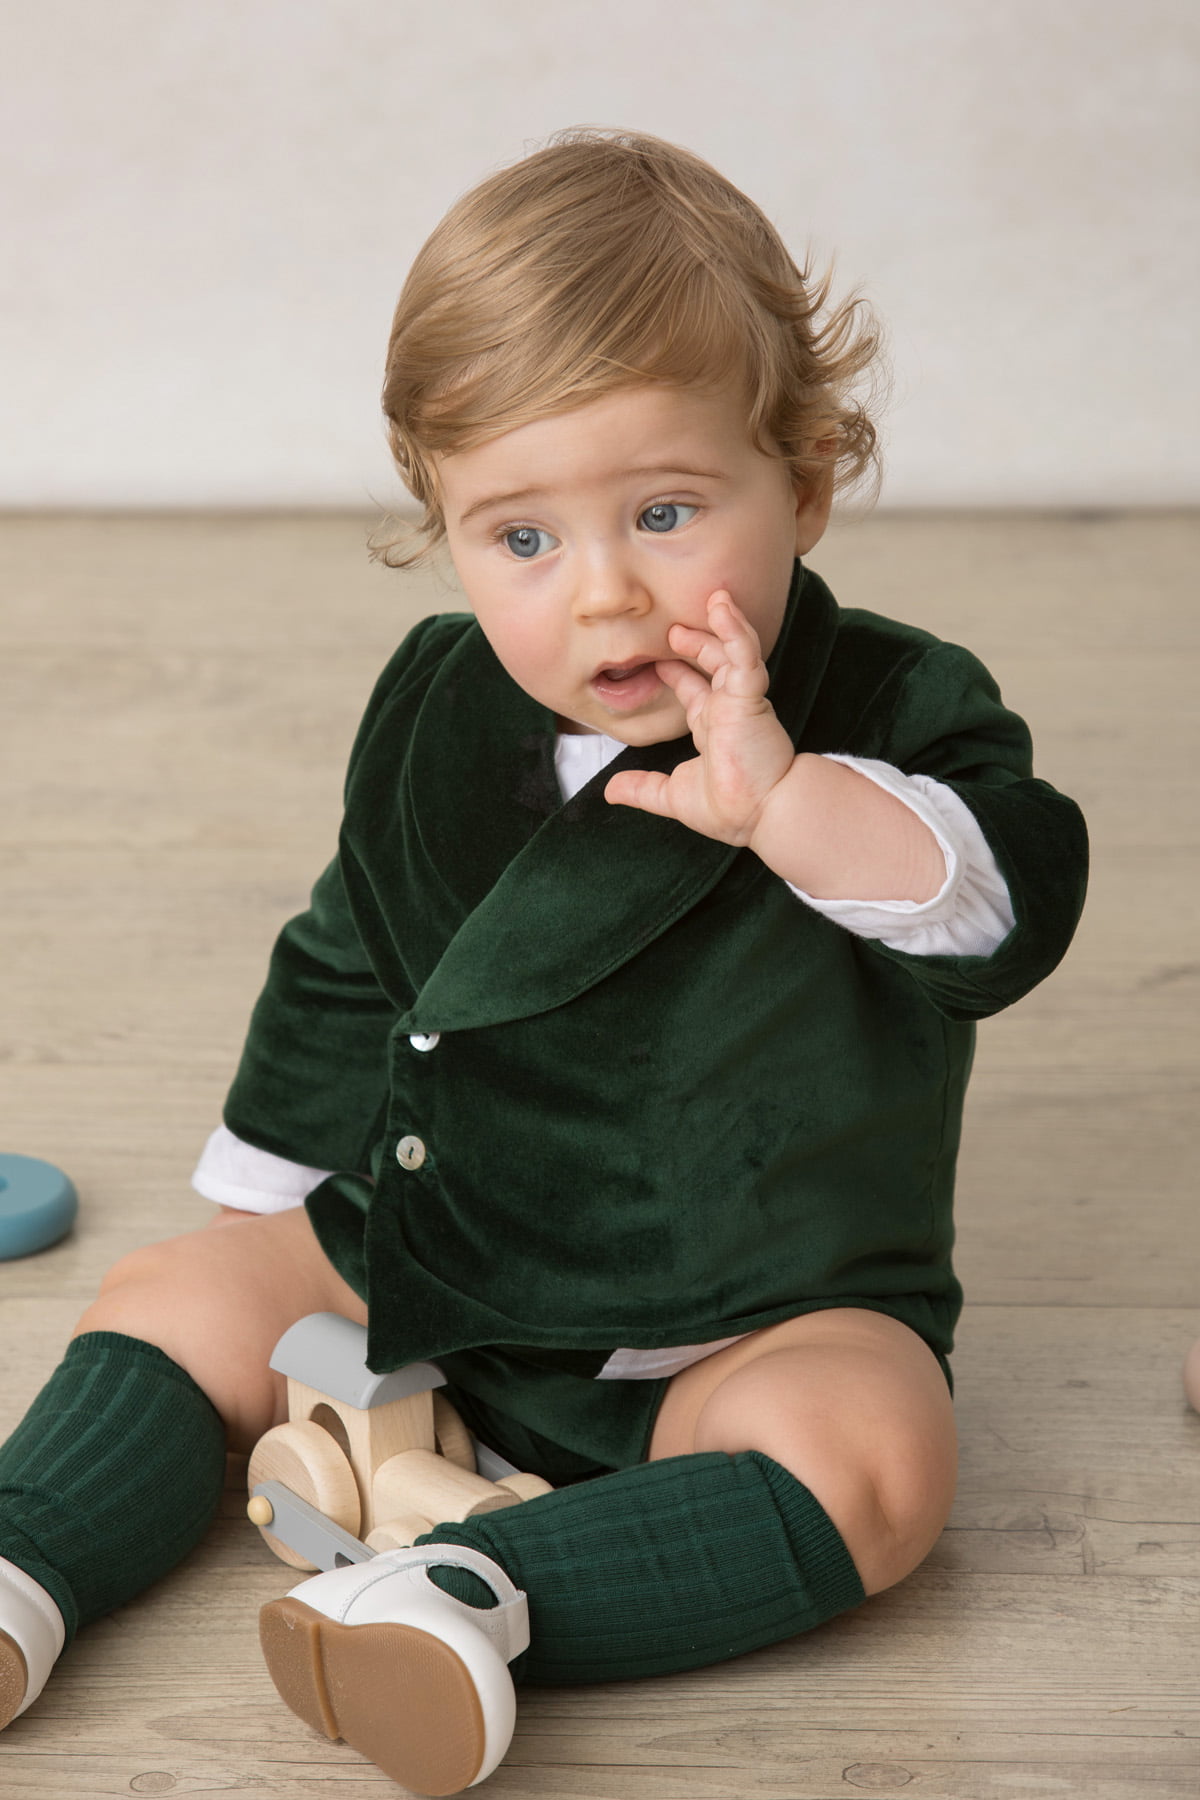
(306,1459)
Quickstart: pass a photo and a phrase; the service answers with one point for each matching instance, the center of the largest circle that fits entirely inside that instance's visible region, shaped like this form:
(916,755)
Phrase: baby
(619,1059)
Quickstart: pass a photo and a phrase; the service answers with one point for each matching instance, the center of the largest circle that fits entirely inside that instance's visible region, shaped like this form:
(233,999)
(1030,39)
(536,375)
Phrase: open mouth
(625,685)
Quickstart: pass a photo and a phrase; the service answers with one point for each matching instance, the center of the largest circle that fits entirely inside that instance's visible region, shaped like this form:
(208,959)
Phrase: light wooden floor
(177,699)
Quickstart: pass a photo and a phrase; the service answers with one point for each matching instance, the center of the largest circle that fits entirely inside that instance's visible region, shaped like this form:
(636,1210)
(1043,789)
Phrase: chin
(641,737)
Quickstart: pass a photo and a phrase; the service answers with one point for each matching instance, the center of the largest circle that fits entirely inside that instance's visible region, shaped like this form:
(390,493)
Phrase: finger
(698,646)
(686,683)
(743,674)
(693,693)
(641,788)
(730,624)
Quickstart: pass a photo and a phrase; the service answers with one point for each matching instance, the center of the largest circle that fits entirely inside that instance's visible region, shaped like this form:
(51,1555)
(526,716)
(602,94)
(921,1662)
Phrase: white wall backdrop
(211,204)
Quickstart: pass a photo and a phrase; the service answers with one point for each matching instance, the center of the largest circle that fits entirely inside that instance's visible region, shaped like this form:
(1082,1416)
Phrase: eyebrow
(498,502)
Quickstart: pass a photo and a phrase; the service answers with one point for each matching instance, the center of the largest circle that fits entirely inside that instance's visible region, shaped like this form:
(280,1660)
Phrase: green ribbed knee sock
(663,1567)
(113,1475)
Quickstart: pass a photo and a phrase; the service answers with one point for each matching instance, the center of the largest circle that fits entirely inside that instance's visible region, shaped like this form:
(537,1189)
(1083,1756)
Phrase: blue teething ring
(37,1205)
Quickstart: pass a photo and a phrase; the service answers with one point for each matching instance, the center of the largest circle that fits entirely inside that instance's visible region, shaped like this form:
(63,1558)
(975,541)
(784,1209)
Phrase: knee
(882,1465)
(889,1506)
(145,1280)
(146,1264)
(911,1492)
(157,1293)
(172,1295)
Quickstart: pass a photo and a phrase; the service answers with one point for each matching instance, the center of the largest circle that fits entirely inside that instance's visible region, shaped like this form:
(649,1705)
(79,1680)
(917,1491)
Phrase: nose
(609,586)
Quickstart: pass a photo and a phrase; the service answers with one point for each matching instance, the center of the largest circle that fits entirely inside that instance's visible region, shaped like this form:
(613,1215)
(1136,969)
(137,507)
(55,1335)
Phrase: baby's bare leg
(218,1300)
(852,1404)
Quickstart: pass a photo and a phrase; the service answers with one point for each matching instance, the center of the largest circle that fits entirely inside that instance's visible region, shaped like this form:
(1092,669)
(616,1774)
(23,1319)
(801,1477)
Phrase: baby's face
(581,539)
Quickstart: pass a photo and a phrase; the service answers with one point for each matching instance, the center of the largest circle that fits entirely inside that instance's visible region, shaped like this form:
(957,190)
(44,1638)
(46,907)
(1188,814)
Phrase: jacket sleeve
(311,1085)
(944,717)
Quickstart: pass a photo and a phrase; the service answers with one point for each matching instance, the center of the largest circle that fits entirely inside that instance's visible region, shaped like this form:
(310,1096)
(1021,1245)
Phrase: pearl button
(420,1042)
(410,1153)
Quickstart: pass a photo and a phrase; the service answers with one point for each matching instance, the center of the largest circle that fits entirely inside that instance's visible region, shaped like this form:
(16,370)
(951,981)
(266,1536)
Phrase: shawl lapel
(514,902)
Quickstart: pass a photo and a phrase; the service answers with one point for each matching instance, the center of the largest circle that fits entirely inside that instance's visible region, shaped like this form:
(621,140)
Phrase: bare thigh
(854,1405)
(218,1300)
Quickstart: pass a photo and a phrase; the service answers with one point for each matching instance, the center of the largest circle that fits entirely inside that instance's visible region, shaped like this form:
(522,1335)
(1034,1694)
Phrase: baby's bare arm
(836,834)
(820,825)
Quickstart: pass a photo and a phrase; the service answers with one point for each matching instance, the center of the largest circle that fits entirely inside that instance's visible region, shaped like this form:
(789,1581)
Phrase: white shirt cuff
(234,1173)
(970,915)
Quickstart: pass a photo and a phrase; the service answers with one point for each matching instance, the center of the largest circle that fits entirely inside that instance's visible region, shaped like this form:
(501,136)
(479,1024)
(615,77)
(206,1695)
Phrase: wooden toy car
(366,1462)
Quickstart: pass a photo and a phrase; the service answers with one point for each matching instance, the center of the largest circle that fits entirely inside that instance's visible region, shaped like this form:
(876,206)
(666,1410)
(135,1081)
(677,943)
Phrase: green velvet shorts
(547,1413)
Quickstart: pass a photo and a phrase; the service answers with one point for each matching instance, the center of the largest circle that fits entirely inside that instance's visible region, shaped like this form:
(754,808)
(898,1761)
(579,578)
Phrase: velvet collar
(538,900)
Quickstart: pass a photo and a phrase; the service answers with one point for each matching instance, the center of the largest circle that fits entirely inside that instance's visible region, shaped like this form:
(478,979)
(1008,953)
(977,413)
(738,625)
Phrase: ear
(814,498)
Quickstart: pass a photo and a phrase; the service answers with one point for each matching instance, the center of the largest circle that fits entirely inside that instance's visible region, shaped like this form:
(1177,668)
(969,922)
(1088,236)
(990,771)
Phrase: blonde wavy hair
(610,259)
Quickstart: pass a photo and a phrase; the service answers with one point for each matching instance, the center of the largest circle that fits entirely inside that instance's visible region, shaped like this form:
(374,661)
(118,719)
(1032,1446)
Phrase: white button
(410,1153)
(421,1042)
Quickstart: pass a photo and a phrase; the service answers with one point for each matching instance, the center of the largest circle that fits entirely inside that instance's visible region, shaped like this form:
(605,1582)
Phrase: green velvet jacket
(667,1102)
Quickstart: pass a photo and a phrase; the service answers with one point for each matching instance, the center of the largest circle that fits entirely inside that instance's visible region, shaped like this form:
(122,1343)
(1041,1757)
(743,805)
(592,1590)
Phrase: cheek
(763,598)
(523,642)
(758,549)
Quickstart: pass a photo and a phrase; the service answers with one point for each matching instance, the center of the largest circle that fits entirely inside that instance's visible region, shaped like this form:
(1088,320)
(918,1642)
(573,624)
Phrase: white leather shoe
(376,1654)
(32,1635)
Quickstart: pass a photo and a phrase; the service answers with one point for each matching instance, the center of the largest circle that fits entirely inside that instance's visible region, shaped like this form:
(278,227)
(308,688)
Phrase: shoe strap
(506,1623)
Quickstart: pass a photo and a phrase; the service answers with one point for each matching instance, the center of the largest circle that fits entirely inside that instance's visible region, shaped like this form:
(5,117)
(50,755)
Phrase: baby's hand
(743,749)
(823,827)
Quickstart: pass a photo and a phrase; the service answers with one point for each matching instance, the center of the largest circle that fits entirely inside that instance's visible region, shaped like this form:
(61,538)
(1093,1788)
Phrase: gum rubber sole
(14,1679)
(398,1695)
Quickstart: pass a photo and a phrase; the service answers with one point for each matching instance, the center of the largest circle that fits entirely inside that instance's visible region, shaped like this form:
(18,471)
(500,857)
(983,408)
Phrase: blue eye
(527,541)
(665,515)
